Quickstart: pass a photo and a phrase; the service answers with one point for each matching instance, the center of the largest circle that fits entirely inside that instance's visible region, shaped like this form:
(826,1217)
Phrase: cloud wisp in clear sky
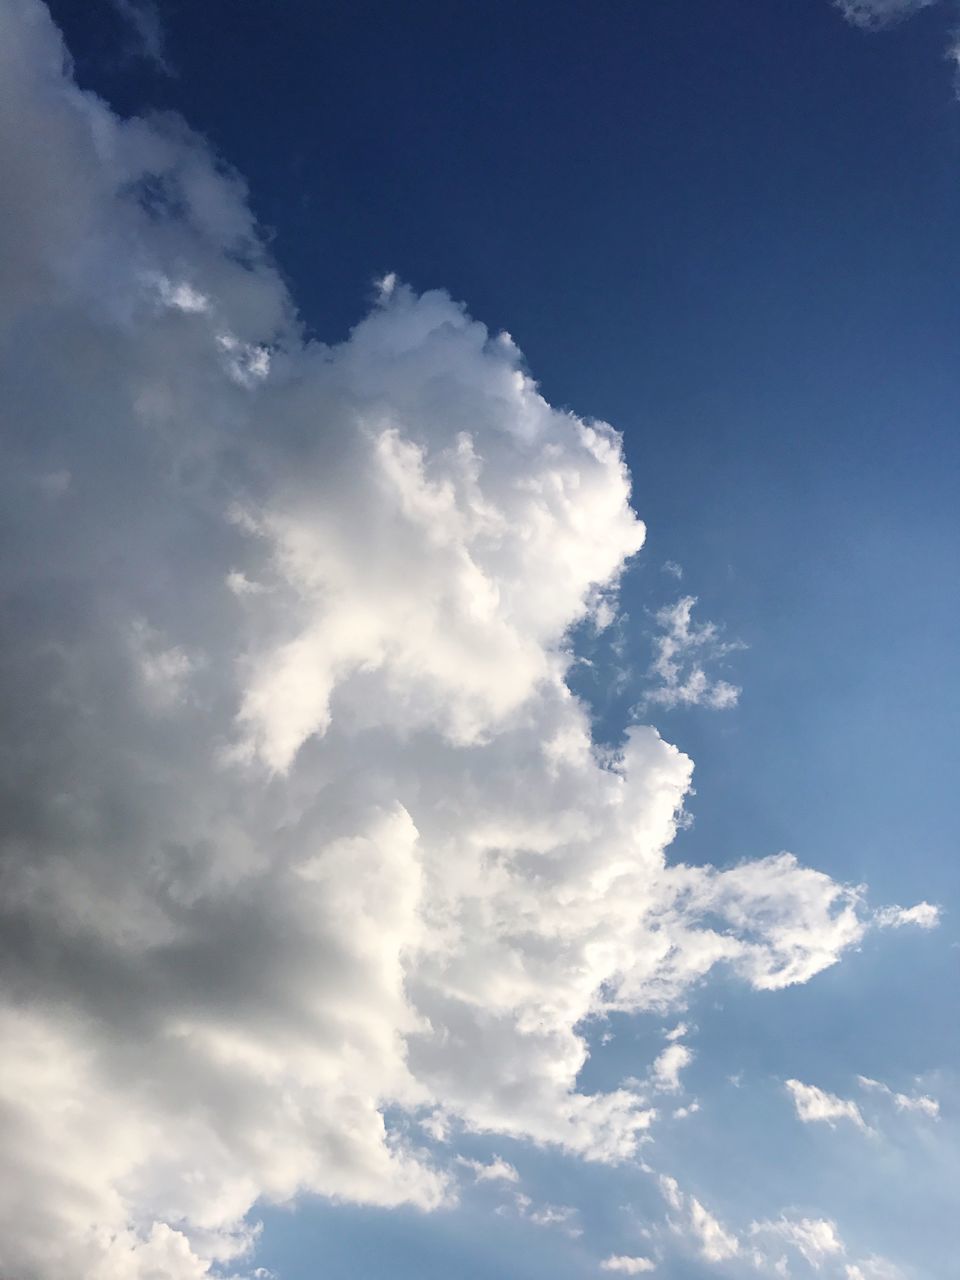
(876,14)
(880,15)
(303,827)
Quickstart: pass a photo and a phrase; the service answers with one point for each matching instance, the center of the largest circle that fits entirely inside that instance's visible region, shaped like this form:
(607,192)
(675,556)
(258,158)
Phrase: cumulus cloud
(816,1105)
(626,1265)
(682,651)
(302,826)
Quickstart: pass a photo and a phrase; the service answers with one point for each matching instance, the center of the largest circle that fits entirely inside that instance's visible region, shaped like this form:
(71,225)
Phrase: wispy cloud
(874,15)
(626,1265)
(925,915)
(683,650)
(879,15)
(873,1268)
(712,1239)
(815,1105)
(143,20)
(665,1073)
(815,1239)
(920,1103)
(563,1217)
(496,1170)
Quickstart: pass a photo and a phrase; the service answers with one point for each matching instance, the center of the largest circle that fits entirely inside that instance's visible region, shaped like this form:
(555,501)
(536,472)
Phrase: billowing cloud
(302,827)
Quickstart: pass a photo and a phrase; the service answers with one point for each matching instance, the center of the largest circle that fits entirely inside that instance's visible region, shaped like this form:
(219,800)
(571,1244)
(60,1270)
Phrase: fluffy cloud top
(302,826)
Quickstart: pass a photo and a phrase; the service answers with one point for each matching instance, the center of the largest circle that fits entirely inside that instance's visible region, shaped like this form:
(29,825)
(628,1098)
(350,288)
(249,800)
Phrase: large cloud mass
(301,824)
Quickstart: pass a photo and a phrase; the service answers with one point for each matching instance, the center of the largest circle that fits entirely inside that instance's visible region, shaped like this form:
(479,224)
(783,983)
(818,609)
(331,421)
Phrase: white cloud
(921,1103)
(873,1268)
(552,1215)
(665,1073)
(177,295)
(815,1239)
(713,1241)
(549,1215)
(925,915)
(682,650)
(675,570)
(625,1265)
(436,1125)
(682,1113)
(716,1242)
(816,1105)
(303,828)
(497,1170)
(671,1192)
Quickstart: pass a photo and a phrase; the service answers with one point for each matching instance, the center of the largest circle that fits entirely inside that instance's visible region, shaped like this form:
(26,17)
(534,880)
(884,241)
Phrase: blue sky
(727,229)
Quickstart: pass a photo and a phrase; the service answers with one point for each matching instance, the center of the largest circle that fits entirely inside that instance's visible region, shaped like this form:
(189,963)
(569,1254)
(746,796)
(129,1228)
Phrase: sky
(480,613)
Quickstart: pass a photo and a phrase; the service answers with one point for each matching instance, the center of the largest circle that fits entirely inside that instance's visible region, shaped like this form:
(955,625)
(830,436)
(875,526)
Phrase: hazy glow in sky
(329,878)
